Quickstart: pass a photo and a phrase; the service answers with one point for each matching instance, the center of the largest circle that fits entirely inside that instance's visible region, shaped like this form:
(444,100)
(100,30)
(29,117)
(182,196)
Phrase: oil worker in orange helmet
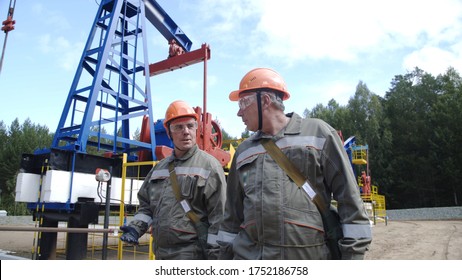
(267,215)
(183,227)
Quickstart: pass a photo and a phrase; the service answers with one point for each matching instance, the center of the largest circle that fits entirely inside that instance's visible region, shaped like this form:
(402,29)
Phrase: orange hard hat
(261,78)
(178,109)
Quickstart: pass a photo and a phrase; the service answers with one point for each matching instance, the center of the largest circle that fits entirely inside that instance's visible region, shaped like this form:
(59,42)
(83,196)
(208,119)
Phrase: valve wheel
(216,136)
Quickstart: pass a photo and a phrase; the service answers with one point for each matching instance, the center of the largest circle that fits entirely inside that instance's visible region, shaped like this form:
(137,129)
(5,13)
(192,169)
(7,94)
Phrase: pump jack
(110,92)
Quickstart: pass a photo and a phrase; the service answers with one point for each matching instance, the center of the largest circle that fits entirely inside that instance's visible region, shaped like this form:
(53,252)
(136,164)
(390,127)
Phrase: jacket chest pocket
(248,175)
(307,159)
(159,194)
(188,184)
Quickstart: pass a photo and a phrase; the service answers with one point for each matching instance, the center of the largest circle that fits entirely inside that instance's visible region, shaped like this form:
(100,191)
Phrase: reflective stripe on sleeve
(212,239)
(204,173)
(357,231)
(226,236)
(193,171)
(159,174)
(301,140)
(143,217)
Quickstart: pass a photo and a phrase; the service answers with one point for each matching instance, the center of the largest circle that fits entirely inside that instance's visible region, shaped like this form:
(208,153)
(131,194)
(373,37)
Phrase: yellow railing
(376,203)
(145,246)
(359,155)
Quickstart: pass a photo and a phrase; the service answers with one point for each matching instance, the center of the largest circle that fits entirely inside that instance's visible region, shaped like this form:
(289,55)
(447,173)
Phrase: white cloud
(70,58)
(65,53)
(37,8)
(230,13)
(49,18)
(307,96)
(338,90)
(336,30)
(44,43)
(323,29)
(433,60)
(62,43)
(341,30)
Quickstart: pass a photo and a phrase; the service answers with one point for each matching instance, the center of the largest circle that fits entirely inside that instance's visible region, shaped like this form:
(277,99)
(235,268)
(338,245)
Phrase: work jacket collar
(186,156)
(292,128)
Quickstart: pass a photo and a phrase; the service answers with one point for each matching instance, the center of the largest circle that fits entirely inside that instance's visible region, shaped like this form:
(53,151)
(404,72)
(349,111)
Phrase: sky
(322,49)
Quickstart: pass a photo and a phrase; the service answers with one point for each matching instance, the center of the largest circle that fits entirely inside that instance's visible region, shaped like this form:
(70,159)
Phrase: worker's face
(248,110)
(183,132)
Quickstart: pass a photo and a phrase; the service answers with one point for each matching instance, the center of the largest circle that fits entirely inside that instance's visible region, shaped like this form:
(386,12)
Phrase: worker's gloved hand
(202,233)
(202,230)
(130,235)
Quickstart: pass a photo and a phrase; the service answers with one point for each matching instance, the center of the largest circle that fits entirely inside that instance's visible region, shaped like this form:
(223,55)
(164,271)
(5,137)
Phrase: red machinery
(209,136)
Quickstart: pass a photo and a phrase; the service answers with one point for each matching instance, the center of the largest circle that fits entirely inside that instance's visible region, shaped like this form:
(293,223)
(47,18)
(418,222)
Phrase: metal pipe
(106,214)
(9,14)
(57,229)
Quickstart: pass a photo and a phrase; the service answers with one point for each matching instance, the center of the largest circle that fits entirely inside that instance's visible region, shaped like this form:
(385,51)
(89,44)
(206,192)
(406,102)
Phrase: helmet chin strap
(260,117)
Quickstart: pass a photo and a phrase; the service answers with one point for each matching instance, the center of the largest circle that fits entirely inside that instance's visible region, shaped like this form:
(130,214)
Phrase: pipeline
(59,229)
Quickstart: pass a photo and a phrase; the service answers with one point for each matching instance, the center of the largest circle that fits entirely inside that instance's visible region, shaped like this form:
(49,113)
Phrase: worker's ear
(265,100)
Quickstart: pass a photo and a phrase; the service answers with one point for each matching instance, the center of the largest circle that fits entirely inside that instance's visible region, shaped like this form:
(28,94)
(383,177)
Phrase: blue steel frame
(350,146)
(111,85)
(165,24)
(112,93)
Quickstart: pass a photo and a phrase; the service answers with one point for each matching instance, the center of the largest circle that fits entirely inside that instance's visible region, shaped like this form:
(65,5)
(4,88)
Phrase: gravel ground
(440,213)
(17,220)
(409,234)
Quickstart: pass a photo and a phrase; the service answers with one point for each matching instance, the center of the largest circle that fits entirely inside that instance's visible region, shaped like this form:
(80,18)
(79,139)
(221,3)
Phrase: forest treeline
(413,133)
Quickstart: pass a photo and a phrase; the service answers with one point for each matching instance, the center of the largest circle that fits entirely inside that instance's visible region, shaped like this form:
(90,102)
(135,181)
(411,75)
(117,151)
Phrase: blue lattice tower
(110,91)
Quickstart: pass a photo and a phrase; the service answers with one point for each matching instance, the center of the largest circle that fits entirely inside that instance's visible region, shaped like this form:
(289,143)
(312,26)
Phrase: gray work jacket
(268,217)
(202,182)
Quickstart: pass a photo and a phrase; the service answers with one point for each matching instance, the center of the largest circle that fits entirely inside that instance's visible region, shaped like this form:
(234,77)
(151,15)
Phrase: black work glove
(226,251)
(202,233)
(130,235)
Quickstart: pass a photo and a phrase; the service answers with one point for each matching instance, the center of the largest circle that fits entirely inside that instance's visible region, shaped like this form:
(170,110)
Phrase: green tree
(409,104)
(334,114)
(137,134)
(16,141)
(365,114)
(245,134)
(369,124)
(446,152)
